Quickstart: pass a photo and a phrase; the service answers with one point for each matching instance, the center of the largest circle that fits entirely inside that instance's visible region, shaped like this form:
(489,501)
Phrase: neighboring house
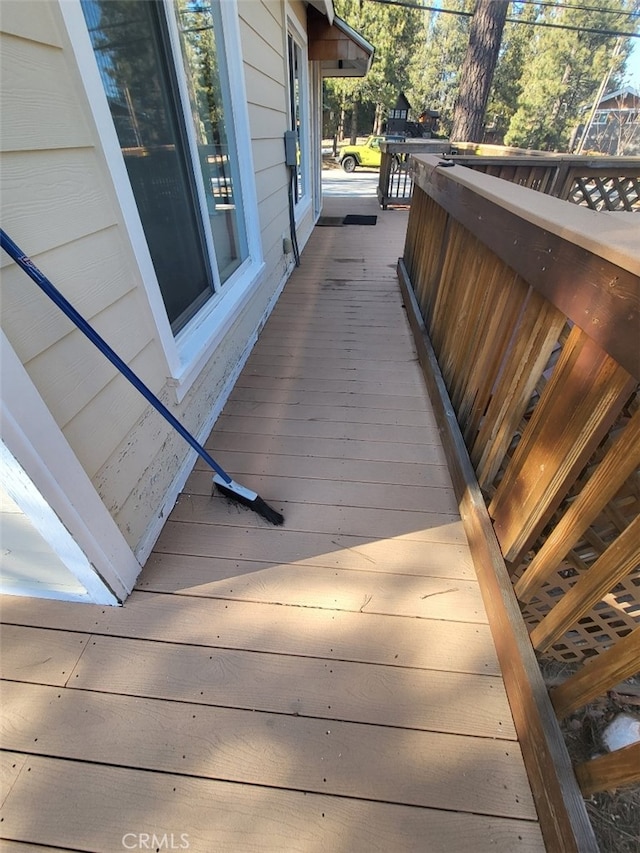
(398,121)
(398,116)
(428,122)
(613,127)
(143,170)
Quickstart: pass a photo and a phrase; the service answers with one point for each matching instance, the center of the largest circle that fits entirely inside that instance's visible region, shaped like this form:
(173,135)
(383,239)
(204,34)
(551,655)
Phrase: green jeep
(367,154)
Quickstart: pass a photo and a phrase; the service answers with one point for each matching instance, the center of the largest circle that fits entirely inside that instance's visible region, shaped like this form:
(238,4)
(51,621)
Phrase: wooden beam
(563,818)
(598,675)
(614,770)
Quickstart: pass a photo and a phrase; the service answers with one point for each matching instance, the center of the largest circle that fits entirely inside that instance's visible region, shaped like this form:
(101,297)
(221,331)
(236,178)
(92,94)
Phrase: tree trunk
(379,117)
(354,122)
(479,64)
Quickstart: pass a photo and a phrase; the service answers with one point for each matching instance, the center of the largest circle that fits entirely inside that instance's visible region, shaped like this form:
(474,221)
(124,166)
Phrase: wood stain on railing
(535,325)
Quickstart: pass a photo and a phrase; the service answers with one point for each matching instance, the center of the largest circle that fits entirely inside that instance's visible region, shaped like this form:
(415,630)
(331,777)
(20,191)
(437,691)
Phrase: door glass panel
(295,94)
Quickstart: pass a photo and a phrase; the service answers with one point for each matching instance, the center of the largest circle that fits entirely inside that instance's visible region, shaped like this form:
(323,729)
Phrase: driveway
(362,182)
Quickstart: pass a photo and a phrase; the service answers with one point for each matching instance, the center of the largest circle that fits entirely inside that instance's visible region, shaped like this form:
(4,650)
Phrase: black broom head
(245,496)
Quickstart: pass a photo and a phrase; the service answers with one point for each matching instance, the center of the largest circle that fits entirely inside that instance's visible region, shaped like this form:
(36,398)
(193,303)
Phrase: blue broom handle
(54,294)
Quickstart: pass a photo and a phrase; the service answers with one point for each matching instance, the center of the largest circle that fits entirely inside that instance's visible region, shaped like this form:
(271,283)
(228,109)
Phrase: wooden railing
(395,185)
(600,183)
(526,313)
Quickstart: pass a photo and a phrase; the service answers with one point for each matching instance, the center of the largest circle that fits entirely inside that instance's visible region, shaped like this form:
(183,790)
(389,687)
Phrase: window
(298,112)
(163,70)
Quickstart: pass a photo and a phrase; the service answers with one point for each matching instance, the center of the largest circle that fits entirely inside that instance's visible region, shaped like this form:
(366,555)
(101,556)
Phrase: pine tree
(563,74)
(394,32)
(436,67)
(478,67)
(508,79)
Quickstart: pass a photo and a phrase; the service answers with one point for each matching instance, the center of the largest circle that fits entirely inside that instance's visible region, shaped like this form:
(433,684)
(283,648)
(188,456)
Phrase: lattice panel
(619,611)
(606,193)
(615,616)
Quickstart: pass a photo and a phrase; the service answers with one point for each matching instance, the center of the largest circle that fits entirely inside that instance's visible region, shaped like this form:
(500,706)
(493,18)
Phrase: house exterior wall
(60,205)
(615,126)
(264,32)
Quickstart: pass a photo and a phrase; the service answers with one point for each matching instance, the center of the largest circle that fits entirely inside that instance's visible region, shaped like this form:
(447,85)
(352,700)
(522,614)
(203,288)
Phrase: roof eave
(339,49)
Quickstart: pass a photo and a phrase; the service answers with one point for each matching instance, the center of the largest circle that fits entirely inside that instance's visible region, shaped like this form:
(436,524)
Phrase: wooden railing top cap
(613,236)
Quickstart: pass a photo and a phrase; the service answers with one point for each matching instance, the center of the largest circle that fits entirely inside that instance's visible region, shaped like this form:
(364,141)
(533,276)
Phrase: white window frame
(188,352)
(295,30)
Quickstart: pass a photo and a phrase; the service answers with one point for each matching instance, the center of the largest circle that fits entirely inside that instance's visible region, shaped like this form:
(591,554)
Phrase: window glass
(156,130)
(211,106)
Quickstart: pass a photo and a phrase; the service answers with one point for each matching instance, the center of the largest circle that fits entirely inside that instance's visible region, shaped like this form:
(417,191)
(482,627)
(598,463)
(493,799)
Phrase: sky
(633,66)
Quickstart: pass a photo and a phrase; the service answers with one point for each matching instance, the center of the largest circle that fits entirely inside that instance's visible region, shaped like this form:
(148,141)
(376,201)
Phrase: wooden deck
(331,685)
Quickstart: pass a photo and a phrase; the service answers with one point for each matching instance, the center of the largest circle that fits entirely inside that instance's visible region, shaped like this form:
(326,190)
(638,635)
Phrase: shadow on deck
(330,685)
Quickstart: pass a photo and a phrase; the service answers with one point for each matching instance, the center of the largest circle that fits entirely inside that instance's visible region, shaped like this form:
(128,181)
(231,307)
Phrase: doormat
(357,219)
(329,221)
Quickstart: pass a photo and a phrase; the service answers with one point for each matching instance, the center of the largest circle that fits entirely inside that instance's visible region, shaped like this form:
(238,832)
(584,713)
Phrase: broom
(221,479)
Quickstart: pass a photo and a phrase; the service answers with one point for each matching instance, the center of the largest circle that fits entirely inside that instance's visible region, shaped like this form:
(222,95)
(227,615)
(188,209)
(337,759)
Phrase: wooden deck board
(11,764)
(435,475)
(331,685)
(332,413)
(290,684)
(278,750)
(408,553)
(356,591)
(408,386)
(314,428)
(375,523)
(287,684)
(385,378)
(171,572)
(345,400)
(305,631)
(50,663)
(361,450)
(90,807)
(343,492)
